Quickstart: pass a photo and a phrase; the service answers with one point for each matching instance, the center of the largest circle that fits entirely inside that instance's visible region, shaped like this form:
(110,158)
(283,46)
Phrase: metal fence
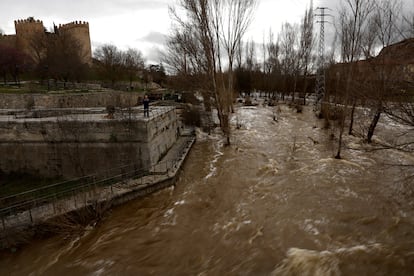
(31,206)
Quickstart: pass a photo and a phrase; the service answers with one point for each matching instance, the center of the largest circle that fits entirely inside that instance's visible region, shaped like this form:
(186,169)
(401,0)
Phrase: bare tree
(236,16)
(64,57)
(57,54)
(369,40)
(203,17)
(247,63)
(383,68)
(408,21)
(110,62)
(387,19)
(13,62)
(38,43)
(353,20)
(273,62)
(185,58)
(251,56)
(306,46)
(133,63)
(194,38)
(290,58)
(217,24)
(401,110)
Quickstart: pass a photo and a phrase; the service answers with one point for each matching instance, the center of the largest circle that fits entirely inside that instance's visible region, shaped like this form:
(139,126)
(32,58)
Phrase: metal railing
(76,193)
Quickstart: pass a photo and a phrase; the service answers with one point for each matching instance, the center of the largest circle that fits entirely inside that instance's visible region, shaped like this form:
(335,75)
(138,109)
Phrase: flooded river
(274,203)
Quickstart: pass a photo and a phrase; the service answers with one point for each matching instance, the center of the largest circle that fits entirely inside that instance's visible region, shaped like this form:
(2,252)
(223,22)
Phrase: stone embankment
(161,175)
(68,100)
(59,144)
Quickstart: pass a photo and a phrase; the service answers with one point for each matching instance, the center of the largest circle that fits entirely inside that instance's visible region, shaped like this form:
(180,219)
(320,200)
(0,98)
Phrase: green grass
(17,183)
(23,89)
(11,90)
(21,189)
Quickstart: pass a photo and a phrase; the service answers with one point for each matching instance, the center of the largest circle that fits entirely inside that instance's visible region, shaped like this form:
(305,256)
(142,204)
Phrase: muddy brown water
(274,203)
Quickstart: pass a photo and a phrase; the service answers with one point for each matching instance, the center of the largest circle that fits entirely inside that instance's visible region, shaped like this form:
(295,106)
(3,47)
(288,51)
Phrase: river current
(275,202)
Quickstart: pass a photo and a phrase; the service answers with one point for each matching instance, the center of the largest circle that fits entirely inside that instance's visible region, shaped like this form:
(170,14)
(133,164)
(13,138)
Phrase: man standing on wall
(146,102)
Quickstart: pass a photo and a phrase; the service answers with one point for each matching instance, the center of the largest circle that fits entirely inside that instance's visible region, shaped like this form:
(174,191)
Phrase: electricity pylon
(320,77)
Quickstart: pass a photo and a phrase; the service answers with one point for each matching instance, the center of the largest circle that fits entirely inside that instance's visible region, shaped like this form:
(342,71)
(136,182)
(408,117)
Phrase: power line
(320,78)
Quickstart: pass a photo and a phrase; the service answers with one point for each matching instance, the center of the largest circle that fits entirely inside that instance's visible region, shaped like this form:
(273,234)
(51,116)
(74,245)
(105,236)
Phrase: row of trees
(207,54)
(115,64)
(60,57)
(198,46)
(207,36)
(12,62)
(287,60)
(365,26)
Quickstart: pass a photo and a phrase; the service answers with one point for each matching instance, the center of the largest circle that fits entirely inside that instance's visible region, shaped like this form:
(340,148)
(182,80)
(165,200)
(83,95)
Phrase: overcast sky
(140,24)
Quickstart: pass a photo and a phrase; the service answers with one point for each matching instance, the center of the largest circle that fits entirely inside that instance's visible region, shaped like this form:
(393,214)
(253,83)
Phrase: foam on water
(213,164)
(321,263)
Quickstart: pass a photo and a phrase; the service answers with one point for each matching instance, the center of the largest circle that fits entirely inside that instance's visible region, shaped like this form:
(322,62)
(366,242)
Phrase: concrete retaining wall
(76,145)
(68,100)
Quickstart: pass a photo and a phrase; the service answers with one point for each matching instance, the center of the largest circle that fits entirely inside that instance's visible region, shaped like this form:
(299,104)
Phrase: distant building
(30,32)
(395,63)
(402,55)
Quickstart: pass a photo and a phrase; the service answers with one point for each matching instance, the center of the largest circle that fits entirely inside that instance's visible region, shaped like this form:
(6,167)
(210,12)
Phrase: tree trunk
(373,125)
(343,114)
(305,84)
(226,128)
(351,124)
(341,132)
(294,88)
(230,87)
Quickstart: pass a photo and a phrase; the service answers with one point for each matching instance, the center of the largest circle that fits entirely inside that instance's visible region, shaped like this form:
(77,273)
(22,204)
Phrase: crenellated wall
(30,32)
(80,31)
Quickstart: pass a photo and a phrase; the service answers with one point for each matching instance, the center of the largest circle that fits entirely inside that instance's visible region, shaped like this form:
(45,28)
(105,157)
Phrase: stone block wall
(162,134)
(77,145)
(68,100)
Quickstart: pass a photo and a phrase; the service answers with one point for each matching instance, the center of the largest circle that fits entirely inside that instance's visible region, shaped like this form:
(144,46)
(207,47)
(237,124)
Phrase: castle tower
(27,32)
(31,38)
(80,31)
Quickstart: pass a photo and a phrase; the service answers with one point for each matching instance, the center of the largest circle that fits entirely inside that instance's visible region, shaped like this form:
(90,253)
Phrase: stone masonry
(84,141)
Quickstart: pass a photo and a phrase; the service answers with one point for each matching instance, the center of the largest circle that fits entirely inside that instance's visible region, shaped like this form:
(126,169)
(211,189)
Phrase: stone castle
(29,28)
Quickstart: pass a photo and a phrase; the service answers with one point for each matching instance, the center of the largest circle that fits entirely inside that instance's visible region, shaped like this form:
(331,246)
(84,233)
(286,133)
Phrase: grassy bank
(14,183)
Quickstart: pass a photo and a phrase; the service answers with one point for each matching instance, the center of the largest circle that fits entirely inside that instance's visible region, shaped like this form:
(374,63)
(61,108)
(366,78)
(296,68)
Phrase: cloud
(63,11)
(154,55)
(154,37)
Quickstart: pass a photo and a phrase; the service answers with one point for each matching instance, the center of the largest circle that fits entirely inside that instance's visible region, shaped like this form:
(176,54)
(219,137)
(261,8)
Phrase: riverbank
(91,204)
